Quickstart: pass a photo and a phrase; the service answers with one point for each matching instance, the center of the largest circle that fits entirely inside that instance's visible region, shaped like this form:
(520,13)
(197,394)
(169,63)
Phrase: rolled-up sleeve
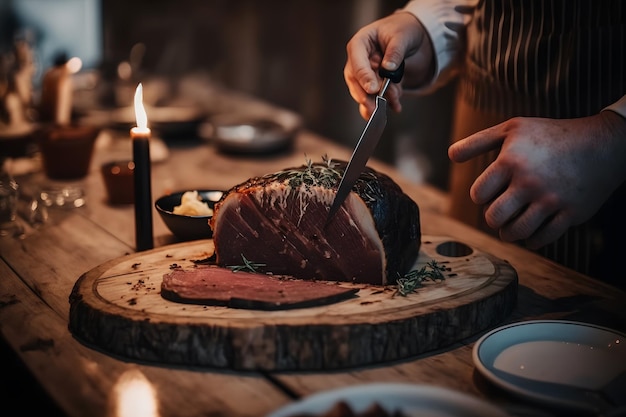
(445,21)
(618,107)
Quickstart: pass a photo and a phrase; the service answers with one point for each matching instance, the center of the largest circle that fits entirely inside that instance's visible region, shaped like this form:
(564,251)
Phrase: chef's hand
(387,42)
(549,174)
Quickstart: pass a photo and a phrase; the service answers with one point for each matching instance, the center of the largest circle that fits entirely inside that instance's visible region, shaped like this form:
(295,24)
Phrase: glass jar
(8,199)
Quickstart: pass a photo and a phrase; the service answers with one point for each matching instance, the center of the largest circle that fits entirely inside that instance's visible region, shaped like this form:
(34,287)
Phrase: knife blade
(367,142)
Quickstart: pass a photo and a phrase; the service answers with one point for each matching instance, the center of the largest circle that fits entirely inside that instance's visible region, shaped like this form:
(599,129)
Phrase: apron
(543,58)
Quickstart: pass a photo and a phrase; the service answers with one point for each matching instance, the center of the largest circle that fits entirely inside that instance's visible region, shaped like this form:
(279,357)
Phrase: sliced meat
(212,285)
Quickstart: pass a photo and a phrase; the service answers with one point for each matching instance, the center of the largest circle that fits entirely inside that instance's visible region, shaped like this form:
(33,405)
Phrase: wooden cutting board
(117,308)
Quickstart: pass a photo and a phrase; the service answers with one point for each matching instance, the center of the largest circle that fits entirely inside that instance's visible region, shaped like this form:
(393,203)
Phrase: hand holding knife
(367,142)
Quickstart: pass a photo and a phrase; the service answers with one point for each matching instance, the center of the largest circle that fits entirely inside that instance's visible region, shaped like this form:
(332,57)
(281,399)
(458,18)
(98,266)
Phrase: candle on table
(141,157)
(56,91)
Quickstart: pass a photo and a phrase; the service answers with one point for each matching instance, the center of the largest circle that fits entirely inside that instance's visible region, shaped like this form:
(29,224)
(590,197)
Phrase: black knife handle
(395,76)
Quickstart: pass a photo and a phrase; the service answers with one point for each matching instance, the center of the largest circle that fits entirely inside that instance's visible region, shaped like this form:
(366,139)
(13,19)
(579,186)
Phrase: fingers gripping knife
(367,142)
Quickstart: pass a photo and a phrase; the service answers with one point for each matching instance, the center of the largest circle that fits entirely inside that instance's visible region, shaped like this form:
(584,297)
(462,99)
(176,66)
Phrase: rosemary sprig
(247,266)
(328,161)
(312,174)
(414,279)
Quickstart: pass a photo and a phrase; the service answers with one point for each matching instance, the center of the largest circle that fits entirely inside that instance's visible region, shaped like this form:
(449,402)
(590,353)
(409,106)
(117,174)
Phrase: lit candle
(56,92)
(143,194)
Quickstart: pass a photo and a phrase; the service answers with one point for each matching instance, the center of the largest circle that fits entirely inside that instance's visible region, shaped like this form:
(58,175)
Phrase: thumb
(394,55)
(391,61)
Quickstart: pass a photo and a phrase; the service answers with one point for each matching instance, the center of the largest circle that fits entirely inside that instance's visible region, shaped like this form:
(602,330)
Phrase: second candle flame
(140,111)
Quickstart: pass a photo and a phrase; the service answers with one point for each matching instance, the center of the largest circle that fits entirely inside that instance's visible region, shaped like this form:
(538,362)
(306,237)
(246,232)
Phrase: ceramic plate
(166,122)
(412,400)
(556,362)
(253,134)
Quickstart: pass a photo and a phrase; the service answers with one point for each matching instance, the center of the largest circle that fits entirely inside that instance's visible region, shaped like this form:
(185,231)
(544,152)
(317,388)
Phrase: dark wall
(290,53)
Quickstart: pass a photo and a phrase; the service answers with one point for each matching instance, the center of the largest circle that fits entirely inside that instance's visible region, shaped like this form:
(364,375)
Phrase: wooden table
(38,271)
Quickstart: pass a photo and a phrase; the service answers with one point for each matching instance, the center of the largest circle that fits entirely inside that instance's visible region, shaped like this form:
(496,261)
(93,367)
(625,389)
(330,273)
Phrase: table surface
(38,271)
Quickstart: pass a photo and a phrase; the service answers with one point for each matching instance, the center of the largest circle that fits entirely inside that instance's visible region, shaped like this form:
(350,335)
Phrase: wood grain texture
(83,381)
(39,271)
(117,307)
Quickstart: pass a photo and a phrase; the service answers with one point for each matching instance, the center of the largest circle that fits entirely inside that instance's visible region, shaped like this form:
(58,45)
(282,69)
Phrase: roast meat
(278,221)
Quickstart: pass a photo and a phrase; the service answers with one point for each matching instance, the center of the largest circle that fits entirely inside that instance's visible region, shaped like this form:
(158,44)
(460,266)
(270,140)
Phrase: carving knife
(367,142)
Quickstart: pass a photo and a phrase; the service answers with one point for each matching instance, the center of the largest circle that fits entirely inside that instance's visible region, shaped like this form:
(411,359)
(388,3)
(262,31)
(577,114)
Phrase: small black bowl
(187,227)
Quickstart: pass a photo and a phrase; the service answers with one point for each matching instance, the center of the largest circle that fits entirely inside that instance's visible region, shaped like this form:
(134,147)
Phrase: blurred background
(288,53)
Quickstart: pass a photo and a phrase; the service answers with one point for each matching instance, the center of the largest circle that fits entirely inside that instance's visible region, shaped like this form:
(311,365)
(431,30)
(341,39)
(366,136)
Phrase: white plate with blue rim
(409,399)
(558,363)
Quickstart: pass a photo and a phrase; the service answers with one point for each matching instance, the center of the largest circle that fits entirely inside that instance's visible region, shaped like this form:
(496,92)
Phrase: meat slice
(211,285)
(279,220)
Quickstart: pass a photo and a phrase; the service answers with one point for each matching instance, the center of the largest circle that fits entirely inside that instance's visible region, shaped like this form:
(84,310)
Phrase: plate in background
(168,122)
(556,362)
(253,134)
(412,400)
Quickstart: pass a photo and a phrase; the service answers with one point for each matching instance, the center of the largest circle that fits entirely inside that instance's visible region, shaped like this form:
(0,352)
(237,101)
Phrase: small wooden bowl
(119,177)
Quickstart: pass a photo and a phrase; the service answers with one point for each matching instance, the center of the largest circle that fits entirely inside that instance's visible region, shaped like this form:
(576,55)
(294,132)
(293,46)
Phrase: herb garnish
(415,278)
(248,266)
(320,175)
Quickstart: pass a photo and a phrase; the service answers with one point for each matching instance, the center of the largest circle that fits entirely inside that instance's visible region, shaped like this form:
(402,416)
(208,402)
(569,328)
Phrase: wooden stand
(117,307)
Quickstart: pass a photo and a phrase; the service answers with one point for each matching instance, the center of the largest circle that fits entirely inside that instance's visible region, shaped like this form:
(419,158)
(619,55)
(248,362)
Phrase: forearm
(445,22)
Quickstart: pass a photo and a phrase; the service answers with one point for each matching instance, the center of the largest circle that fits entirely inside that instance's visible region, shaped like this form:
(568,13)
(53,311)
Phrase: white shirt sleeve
(618,107)
(445,21)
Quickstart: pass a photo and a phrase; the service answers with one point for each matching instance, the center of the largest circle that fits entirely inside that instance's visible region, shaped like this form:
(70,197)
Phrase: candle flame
(74,65)
(134,396)
(140,111)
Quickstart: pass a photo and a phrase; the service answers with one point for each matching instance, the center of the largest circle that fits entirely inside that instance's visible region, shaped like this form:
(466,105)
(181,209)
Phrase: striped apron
(543,58)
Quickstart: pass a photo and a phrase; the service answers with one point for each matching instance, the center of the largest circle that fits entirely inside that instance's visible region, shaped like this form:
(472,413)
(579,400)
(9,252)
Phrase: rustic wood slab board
(117,308)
